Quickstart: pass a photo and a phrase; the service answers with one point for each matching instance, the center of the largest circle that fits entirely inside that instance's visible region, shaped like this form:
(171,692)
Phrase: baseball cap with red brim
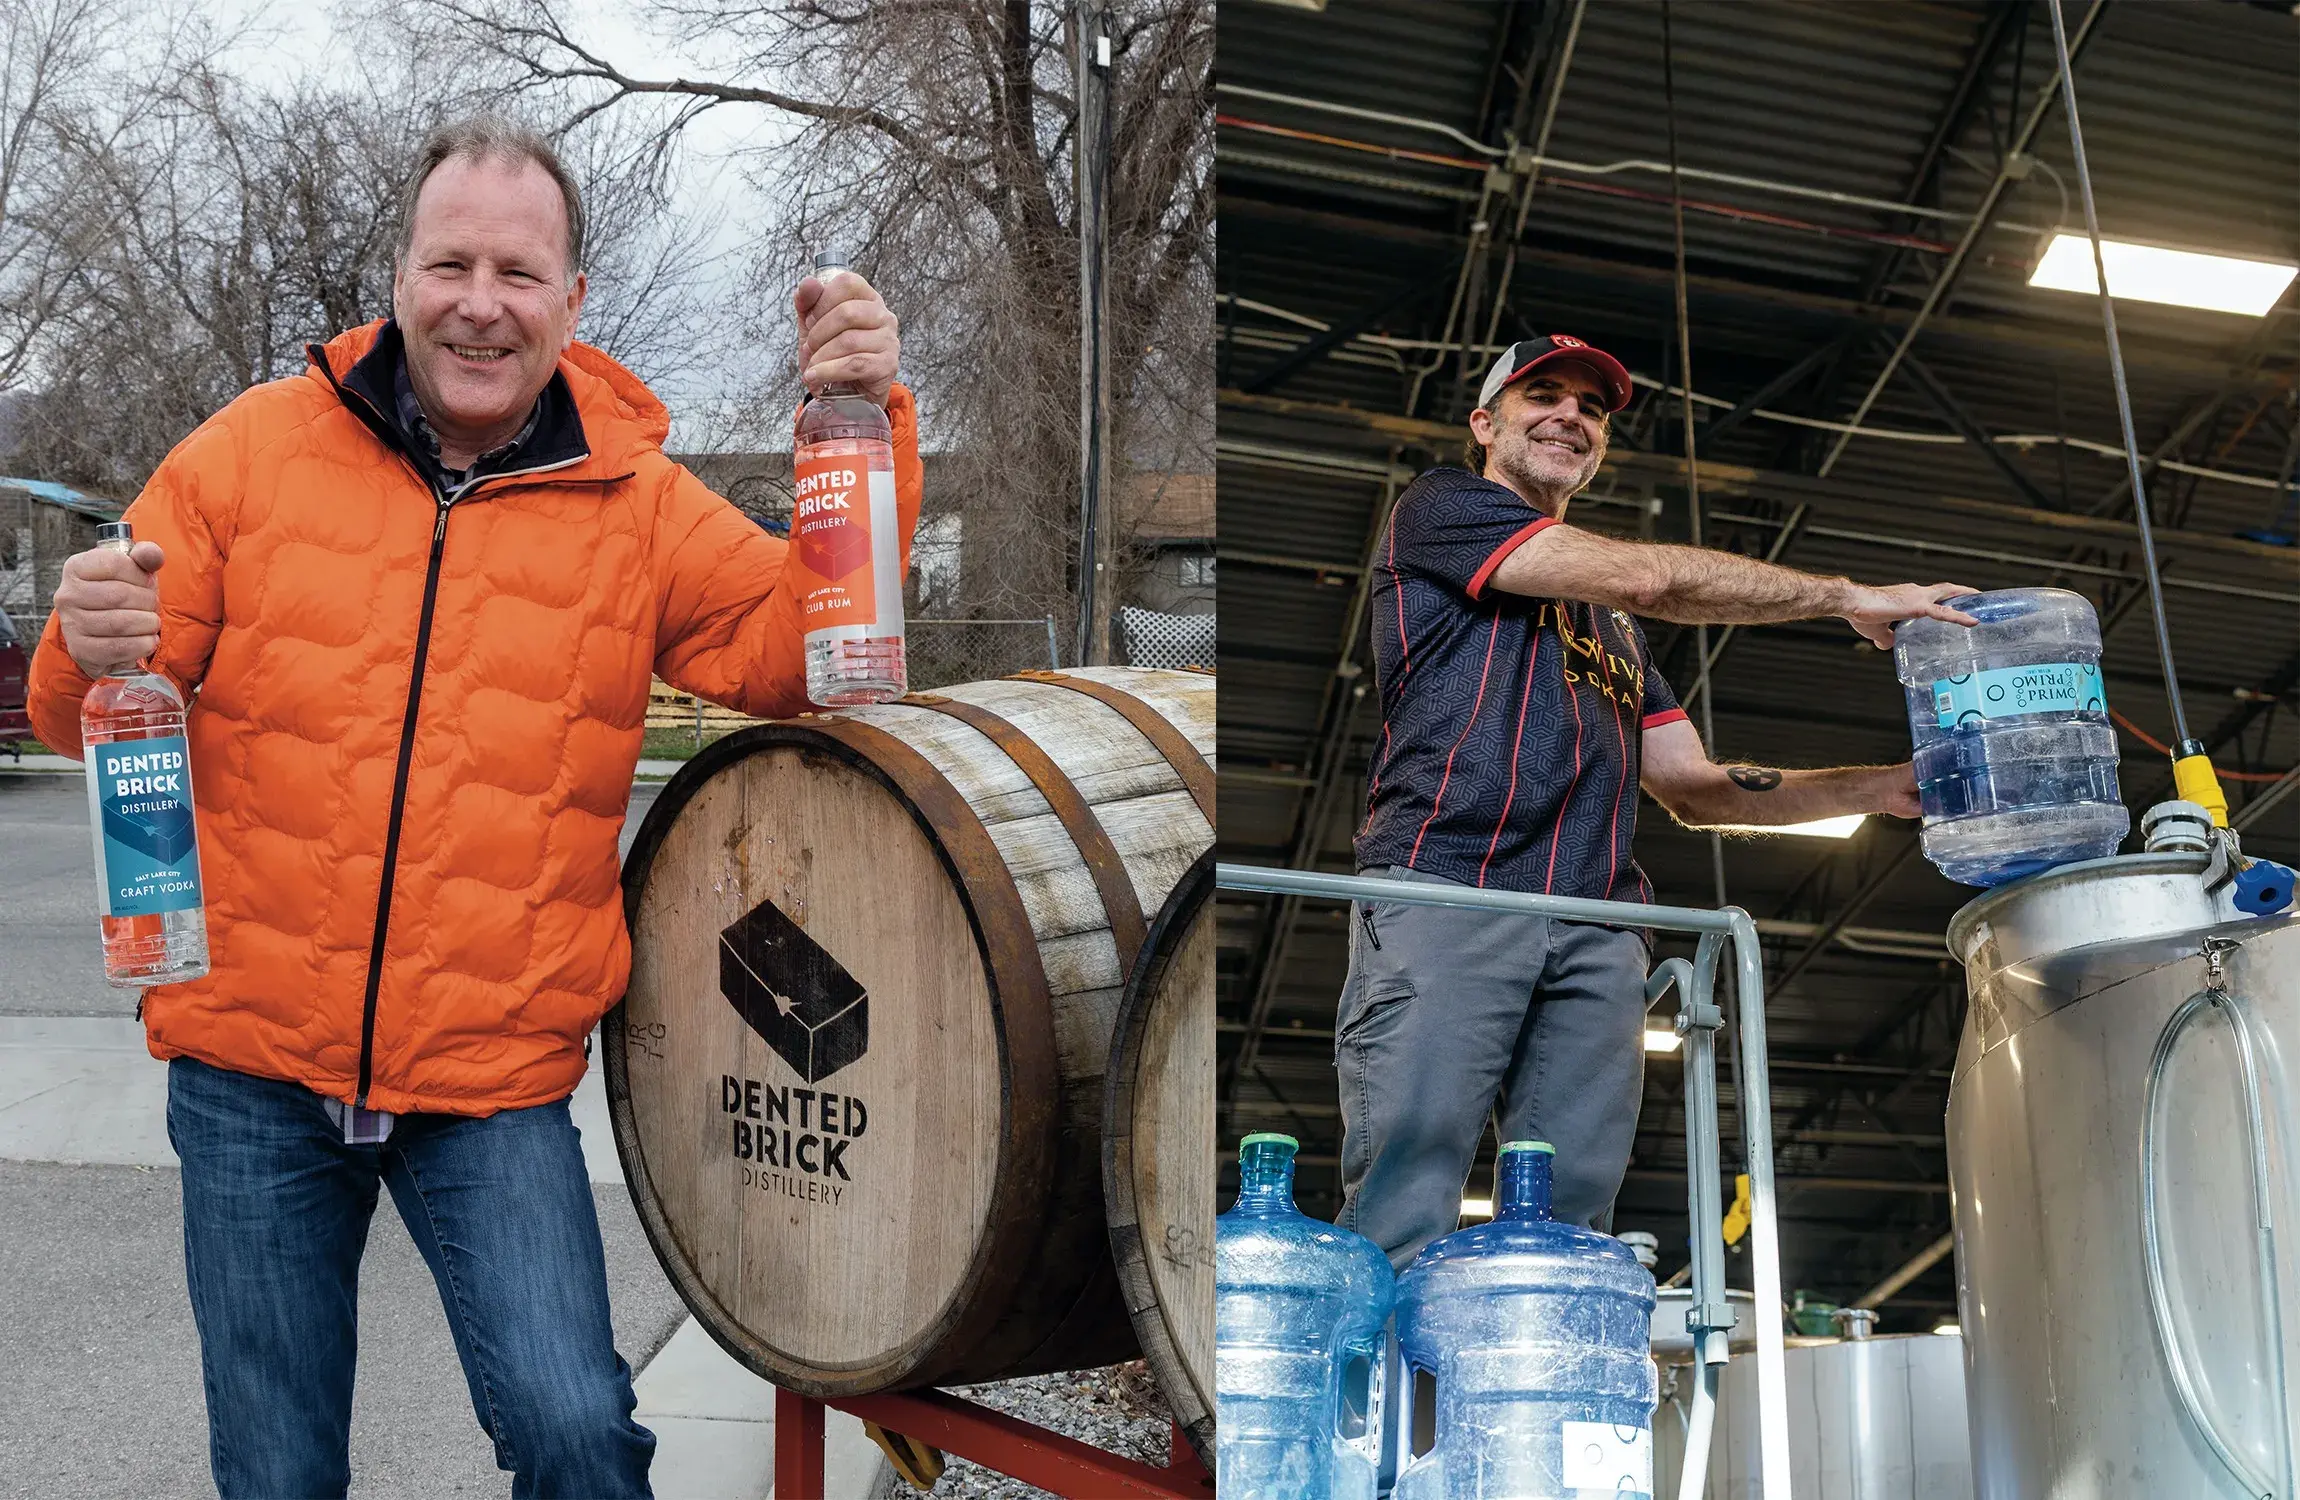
(1527,355)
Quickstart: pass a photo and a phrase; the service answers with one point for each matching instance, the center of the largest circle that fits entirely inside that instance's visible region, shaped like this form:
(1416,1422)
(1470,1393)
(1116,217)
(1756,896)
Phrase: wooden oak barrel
(877,957)
(1158,1153)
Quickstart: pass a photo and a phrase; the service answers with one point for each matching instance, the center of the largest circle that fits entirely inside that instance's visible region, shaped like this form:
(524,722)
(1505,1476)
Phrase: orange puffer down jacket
(417,719)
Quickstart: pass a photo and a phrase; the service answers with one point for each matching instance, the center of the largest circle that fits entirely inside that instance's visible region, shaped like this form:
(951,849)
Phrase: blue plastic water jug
(1538,1337)
(1299,1307)
(2015,757)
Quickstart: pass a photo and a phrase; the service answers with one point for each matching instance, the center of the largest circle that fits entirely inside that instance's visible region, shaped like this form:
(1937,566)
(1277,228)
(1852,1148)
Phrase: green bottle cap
(1542,1146)
(1261,1137)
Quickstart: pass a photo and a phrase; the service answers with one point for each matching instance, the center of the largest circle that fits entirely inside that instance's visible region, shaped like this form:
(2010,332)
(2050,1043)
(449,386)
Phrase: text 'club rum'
(846,544)
(140,810)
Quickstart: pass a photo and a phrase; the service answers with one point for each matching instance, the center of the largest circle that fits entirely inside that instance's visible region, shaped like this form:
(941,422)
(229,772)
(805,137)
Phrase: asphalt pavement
(101,1383)
(50,962)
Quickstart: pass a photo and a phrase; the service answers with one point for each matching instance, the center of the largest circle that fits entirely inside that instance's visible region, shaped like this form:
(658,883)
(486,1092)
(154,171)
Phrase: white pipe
(1700,1428)
(1435,127)
(1626,164)
(1848,429)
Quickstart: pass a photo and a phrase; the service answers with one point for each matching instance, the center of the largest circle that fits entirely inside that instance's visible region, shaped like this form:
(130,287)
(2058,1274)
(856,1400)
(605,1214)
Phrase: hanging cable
(2192,773)
(1703,688)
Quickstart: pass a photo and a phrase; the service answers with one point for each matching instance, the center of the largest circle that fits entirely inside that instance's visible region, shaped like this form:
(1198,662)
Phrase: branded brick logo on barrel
(801,1001)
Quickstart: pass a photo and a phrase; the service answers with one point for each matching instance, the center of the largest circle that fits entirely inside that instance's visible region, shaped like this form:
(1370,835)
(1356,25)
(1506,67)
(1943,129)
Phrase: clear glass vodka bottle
(140,816)
(847,544)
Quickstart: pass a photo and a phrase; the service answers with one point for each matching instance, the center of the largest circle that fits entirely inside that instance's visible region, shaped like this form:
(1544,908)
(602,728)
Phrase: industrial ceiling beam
(2000,25)
(1842,919)
(1916,1265)
(1969,427)
(1345,687)
(1240,211)
(1773,390)
(1728,481)
(1992,199)
(1389,305)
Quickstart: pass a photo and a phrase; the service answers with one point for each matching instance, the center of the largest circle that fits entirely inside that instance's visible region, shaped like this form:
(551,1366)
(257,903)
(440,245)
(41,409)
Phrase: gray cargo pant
(1449,1017)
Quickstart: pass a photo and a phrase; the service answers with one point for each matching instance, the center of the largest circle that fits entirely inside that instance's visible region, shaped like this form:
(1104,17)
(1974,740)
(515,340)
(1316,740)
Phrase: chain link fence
(938,653)
(943,653)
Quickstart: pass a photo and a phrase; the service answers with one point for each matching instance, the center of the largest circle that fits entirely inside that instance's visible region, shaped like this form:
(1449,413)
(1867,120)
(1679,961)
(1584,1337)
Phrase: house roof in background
(1167,507)
(48,492)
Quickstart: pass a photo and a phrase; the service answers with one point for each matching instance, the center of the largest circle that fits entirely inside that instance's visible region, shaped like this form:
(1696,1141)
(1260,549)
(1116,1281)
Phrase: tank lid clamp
(2227,859)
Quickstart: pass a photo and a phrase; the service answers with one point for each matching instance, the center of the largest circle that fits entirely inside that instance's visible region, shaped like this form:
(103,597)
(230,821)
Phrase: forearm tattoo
(1754,778)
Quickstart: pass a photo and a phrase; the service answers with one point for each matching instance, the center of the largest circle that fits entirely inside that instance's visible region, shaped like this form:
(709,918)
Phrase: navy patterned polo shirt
(1510,726)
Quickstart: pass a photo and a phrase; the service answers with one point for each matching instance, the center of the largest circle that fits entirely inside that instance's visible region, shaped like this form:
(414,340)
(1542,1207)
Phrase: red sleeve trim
(1667,716)
(1478,579)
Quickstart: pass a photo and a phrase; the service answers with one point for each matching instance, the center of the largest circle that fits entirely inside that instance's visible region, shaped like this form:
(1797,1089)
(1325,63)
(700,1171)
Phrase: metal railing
(1710,1318)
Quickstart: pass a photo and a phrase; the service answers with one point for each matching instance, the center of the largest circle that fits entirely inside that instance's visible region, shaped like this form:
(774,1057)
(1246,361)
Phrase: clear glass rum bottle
(846,544)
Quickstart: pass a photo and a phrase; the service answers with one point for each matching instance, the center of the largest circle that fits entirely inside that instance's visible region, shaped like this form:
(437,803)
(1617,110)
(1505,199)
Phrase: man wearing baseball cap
(1521,712)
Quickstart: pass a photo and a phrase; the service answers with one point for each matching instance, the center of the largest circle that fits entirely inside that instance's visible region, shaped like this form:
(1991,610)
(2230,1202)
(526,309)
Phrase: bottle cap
(827,261)
(1542,1146)
(1268,1137)
(114,531)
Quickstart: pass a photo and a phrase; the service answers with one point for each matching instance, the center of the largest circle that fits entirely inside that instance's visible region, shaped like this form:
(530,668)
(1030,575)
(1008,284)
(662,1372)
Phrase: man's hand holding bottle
(108,606)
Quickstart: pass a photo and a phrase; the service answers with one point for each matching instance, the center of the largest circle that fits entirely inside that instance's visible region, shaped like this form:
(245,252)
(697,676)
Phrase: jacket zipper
(446,501)
(399,793)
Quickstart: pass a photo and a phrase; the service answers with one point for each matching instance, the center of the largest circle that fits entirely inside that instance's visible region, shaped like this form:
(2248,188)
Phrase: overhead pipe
(1796,419)
(1494,154)
(1306,460)
(1997,188)
(1699,205)
(1533,177)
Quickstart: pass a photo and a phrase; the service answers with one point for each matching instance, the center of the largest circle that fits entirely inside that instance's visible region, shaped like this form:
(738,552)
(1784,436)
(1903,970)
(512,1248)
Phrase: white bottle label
(1605,1458)
(142,791)
(846,541)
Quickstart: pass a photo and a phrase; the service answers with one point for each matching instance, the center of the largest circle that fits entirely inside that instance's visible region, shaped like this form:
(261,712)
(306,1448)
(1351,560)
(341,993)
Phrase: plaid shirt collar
(418,426)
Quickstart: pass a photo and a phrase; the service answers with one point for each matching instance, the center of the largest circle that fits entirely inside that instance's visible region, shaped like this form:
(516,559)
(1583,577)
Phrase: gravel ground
(1117,1408)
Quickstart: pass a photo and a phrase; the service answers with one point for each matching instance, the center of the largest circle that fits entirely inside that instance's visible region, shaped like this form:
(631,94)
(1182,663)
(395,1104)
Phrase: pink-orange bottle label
(831,542)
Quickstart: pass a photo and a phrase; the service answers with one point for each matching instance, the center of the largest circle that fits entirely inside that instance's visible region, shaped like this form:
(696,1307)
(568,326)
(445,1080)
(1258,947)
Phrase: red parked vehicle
(15,668)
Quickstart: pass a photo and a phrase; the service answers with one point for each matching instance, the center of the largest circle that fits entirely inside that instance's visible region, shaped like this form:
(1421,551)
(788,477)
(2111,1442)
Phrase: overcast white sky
(291,40)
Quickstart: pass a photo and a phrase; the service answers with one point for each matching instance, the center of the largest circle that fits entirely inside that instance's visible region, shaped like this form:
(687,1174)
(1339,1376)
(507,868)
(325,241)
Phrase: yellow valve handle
(2193,778)
(1737,1217)
(919,1465)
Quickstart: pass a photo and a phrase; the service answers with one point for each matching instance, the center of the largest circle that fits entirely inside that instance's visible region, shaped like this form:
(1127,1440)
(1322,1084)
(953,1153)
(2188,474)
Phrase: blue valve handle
(2263,887)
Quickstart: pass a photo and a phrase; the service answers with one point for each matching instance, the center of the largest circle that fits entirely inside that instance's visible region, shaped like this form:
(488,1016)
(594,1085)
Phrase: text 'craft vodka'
(846,542)
(140,813)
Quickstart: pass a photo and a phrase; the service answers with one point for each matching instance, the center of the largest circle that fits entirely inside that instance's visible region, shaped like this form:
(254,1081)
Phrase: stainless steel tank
(2120,1136)
(1869,1419)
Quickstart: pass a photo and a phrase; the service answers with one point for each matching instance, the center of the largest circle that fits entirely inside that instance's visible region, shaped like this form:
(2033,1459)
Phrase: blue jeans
(276,1209)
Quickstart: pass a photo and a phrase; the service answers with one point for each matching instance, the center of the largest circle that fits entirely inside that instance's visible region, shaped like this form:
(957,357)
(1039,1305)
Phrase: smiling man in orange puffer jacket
(419,591)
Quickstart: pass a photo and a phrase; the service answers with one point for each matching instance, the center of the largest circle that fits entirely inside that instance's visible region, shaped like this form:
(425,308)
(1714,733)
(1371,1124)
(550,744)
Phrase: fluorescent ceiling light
(1477,1208)
(2151,273)
(1662,1041)
(1948,1328)
(1819,828)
